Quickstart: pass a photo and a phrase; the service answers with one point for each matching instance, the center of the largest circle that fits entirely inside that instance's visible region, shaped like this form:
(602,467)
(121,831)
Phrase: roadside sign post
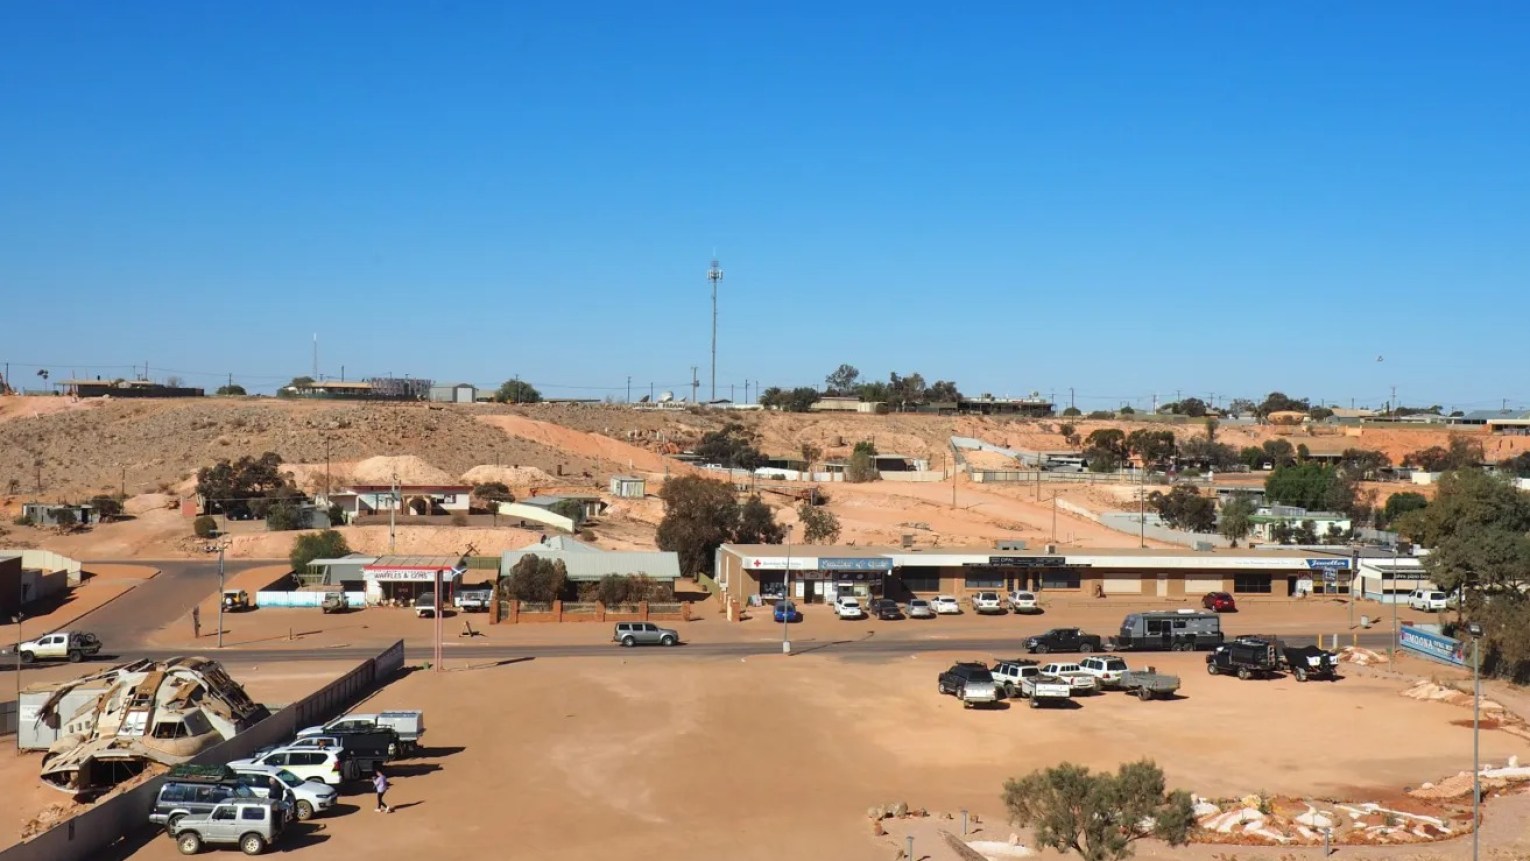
(220,596)
(1476,632)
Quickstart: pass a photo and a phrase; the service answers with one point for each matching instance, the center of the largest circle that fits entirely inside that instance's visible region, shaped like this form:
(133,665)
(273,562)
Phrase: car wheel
(1042,649)
(666,640)
(1144,694)
(75,657)
(252,844)
(1086,648)
(304,811)
(1035,703)
(1244,674)
(1211,669)
(27,657)
(1301,674)
(629,641)
(189,843)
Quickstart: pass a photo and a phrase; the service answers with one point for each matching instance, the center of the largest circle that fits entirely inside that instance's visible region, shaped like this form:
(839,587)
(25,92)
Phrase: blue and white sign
(1438,647)
(1329,564)
(855,564)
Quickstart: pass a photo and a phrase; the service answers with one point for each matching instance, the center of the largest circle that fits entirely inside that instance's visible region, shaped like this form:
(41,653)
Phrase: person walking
(380,783)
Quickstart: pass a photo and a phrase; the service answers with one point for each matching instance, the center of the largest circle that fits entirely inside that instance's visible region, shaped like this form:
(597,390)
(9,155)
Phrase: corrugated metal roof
(657,565)
(422,562)
(1485,415)
(565,543)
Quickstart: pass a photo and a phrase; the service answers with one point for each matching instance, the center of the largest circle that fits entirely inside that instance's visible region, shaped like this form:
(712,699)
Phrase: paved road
(865,648)
(181,584)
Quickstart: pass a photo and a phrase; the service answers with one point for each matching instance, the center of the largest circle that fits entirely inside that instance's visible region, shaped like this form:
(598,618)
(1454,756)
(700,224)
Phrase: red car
(1219,602)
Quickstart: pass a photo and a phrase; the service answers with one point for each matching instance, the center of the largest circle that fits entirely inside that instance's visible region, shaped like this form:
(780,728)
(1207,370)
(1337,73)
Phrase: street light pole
(220,596)
(1394,599)
(786,591)
(1476,631)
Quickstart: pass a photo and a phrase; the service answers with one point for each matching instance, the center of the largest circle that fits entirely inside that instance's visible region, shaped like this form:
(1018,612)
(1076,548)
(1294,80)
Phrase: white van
(1428,600)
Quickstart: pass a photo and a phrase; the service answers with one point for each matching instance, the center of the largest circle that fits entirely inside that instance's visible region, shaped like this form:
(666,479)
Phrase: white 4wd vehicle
(1106,669)
(1075,675)
(987,602)
(848,607)
(323,766)
(1023,602)
(74,646)
(945,605)
(1428,600)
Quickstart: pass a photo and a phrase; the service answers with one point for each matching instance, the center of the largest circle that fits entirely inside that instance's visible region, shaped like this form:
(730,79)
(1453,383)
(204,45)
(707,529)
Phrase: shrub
(205,526)
(459,518)
(327,544)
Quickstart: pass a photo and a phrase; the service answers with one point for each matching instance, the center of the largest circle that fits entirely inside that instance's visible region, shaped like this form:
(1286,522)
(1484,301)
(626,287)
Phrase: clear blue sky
(1121,198)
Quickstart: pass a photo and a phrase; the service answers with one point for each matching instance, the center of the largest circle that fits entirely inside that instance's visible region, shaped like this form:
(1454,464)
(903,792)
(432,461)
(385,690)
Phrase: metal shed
(628,487)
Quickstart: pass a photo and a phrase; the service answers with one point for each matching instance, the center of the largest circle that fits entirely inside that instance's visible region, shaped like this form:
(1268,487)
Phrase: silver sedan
(919,608)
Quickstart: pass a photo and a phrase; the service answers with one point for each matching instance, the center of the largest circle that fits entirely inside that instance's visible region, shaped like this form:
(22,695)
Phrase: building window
(1059,579)
(1251,584)
(773,588)
(921,582)
(448,498)
(985,580)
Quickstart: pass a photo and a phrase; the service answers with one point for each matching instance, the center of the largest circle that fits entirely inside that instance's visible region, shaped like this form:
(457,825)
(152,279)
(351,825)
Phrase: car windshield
(1115,665)
(918,603)
(288,778)
(1024,596)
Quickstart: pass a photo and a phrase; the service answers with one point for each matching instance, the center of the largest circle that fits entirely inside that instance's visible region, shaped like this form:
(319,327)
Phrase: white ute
(1082,682)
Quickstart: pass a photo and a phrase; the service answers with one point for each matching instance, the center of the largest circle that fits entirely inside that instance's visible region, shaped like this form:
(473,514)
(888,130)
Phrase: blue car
(786,611)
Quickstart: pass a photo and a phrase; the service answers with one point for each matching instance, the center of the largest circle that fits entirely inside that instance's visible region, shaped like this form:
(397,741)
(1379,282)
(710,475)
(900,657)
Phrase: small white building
(454,393)
(628,487)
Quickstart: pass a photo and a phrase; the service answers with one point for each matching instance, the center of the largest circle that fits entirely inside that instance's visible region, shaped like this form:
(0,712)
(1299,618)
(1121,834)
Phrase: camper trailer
(1172,631)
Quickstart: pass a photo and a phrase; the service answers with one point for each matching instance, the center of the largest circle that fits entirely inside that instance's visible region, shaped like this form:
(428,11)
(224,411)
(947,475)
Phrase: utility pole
(629,388)
(1071,405)
(326,469)
(714,275)
(695,383)
(392,518)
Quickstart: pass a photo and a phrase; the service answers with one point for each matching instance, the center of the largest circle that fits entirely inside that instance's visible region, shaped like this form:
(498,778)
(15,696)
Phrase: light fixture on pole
(1475,630)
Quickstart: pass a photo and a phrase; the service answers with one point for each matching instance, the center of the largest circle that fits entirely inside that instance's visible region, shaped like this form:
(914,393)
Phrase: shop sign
(781,563)
(1329,564)
(410,575)
(842,576)
(1438,647)
(851,564)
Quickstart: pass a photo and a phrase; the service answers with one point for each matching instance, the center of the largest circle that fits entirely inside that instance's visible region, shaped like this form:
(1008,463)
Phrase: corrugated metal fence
(8,716)
(87,835)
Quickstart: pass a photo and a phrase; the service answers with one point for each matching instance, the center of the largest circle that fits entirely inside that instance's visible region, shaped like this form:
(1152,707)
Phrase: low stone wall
(517,612)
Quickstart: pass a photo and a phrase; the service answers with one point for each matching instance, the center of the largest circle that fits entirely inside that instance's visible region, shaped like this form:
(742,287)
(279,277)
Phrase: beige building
(818,573)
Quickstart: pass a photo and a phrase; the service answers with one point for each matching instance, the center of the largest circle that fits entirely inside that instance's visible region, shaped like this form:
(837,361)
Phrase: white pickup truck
(1022,678)
(1082,682)
(73,646)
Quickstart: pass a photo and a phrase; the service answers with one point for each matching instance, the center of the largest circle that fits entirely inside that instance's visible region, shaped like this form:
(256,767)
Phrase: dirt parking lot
(658,755)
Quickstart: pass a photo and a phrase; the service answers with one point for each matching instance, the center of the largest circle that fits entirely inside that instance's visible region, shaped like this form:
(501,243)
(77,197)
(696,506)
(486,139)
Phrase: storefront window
(922,583)
(1251,584)
(985,580)
(773,589)
(1059,579)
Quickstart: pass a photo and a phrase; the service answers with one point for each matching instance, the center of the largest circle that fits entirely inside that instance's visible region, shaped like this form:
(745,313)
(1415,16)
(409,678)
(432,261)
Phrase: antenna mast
(714,275)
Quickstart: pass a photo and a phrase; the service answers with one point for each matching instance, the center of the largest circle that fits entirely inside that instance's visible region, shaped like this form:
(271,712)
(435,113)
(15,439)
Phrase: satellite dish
(666,397)
(643,399)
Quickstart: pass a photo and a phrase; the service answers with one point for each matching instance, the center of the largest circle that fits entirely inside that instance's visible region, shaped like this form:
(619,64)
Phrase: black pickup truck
(1064,640)
(1246,658)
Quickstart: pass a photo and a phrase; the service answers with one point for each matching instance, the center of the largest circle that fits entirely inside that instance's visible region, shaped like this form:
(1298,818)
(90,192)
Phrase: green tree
(1253,457)
(327,544)
(1211,428)
(1518,465)
(1183,508)
(732,446)
(819,525)
(1399,504)
(1105,449)
(862,466)
(492,493)
(944,392)
(1276,402)
(1242,407)
(1237,519)
(517,392)
(757,524)
(65,518)
(205,526)
(246,486)
(573,509)
(284,516)
(701,514)
(1462,453)
(874,392)
(232,390)
(107,507)
(1099,815)
(1278,452)
(1152,447)
(842,382)
(535,579)
(1318,414)
(798,400)
(1127,411)
(906,390)
(1362,463)
(1477,527)
(1312,486)
(1214,455)
(1072,412)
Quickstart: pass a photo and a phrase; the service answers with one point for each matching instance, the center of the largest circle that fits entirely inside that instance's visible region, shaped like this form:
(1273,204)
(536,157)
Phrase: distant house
(586,563)
(99,388)
(628,487)
(331,389)
(454,393)
(51,514)
(359,500)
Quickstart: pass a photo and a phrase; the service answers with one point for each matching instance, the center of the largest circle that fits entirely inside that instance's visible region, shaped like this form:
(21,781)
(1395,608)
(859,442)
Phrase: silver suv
(644,634)
(254,824)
